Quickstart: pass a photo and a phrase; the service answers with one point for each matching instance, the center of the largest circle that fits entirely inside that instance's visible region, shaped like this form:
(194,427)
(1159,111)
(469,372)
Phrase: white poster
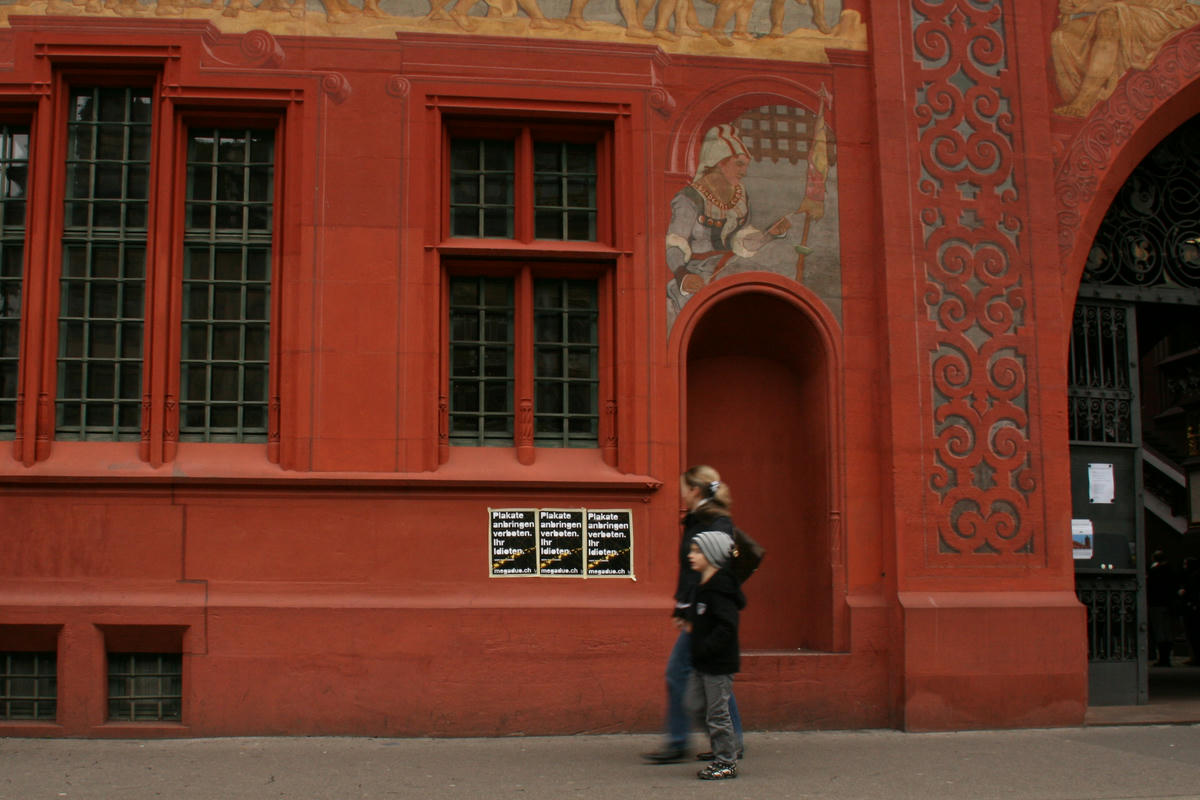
(1081,538)
(1100,483)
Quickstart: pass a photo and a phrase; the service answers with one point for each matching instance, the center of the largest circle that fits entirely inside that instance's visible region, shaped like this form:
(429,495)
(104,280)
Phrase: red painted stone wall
(336,579)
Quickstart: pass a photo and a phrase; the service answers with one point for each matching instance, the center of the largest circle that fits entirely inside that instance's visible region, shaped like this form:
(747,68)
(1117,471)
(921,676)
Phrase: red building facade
(281,345)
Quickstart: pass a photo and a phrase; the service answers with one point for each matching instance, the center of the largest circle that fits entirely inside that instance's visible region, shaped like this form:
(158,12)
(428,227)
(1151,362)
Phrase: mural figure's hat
(720,143)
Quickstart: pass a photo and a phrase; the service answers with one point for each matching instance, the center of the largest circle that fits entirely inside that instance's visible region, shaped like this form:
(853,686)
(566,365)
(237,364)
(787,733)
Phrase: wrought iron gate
(1105,429)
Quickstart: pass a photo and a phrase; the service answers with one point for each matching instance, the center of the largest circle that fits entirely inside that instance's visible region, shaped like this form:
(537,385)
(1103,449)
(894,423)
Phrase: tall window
(227,285)
(156,253)
(217,273)
(524,360)
(14,174)
(102,305)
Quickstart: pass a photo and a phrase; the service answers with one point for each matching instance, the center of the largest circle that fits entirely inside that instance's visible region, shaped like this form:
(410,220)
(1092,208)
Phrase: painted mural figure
(739,11)
(779,7)
(496,8)
(1098,41)
(631,10)
(709,218)
(683,12)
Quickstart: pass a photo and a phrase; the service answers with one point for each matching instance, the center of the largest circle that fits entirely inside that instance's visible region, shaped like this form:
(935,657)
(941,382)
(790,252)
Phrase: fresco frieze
(795,30)
(763,198)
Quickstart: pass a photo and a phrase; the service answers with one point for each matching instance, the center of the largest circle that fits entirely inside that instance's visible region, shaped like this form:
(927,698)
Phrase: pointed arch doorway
(758,410)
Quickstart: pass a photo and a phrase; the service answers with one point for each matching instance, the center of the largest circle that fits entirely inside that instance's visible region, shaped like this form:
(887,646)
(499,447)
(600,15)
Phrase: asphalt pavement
(1088,763)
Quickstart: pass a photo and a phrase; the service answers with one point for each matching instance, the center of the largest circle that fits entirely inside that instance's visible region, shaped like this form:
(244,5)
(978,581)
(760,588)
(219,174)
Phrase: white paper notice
(1081,538)
(1100,483)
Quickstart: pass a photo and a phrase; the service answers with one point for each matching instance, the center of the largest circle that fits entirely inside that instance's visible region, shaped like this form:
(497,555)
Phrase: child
(713,620)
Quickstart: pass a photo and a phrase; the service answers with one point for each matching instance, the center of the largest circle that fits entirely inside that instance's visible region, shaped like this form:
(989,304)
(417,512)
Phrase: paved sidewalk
(1108,763)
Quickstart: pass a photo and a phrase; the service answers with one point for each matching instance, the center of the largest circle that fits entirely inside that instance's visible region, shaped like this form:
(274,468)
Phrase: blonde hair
(712,488)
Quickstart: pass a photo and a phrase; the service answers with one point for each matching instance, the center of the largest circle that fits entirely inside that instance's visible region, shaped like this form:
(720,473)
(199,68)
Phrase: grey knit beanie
(717,547)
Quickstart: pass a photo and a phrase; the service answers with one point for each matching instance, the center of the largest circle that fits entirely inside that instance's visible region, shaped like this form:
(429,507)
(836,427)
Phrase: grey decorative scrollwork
(981,475)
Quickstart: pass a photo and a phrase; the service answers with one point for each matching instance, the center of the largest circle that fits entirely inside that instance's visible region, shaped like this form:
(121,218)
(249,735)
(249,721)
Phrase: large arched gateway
(1134,413)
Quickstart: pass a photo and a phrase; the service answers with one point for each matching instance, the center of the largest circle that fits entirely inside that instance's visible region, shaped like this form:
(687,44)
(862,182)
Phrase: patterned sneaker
(718,771)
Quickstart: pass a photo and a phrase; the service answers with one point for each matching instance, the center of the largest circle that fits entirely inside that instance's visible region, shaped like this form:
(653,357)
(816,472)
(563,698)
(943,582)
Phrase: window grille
(564,191)
(1100,394)
(566,390)
(14,176)
(101,313)
(481,188)
(227,284)
(1111,606)
(1150,235)
(481,361)
(28,686)
(145,687)
(485,175)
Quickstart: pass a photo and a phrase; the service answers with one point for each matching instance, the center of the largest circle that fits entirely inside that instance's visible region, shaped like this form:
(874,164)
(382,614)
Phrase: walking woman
(708,501)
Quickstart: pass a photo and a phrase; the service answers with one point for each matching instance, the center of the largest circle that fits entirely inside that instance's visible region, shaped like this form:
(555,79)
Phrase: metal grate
(481,361)
(1150,235)
(101,314)
(14,177)
(566,376)
(227,285)
(564,185)
(481,188)
(1101,394)
(28,686)
(1112,616)
(145,687)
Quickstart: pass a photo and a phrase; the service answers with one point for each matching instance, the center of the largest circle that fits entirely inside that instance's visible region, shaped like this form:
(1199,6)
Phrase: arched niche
(760,407)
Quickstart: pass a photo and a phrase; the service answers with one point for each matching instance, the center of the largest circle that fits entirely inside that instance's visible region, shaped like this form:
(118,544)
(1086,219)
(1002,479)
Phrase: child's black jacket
(714,618)
(703,518)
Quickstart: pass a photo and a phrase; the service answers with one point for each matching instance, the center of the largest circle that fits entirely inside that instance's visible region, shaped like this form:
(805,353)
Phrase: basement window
(145,687)
(28,686)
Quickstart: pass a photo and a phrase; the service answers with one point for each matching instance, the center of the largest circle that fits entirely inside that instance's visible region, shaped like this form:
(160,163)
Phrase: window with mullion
(564,360)
(102,286)
(481,361)
(14,181)
(566,363)
(487,201)
(225,349)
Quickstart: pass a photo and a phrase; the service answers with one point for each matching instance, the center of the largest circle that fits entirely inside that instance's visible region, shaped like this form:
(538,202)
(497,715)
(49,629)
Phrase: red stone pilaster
(984,585)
